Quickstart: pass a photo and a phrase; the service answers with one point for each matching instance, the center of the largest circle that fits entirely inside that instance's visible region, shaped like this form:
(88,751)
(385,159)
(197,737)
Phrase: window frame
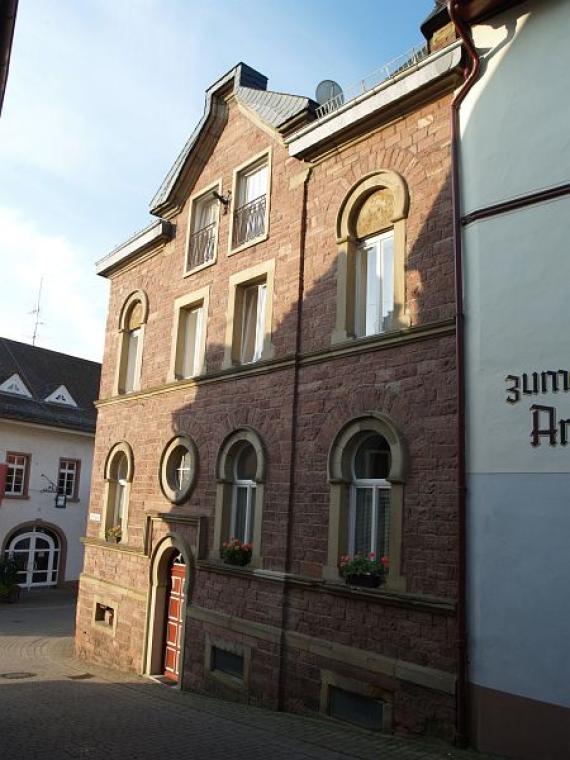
(225,490)
(361,300)
(196,299)
(251,163)
(75,494)
(194,202)
(138,296)
(264,272)
(178,496)
(348,242)
(109,491)
(243,650)
(26,475)
(341,480)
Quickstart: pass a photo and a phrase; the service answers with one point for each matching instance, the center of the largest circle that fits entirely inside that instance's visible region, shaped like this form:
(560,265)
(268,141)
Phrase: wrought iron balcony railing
(249,221)
(202,247)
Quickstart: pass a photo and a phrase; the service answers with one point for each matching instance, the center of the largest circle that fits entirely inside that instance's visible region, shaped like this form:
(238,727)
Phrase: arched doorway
(170,576)
(36,551)
(173,618)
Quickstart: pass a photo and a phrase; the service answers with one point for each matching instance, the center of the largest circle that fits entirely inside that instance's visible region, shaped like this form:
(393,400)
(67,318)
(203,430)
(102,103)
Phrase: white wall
(515,141)
(514,123)
(46,446)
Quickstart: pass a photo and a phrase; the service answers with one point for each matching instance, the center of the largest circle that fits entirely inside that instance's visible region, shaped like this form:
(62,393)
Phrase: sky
(101,97)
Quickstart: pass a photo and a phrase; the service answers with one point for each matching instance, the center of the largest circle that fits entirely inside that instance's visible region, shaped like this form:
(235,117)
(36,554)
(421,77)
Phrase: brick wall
(412,381)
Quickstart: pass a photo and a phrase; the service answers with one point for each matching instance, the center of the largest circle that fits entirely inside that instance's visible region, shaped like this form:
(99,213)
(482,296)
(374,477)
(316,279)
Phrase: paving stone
(59,714)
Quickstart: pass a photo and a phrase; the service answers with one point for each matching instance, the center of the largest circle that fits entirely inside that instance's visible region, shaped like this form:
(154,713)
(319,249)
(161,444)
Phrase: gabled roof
(44,372)
(249,87)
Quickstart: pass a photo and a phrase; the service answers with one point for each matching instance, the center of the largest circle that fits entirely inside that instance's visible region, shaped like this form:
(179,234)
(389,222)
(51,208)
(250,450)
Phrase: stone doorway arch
(170,548)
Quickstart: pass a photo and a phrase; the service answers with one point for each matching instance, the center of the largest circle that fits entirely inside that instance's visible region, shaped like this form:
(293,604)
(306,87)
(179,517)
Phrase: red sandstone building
(279,367)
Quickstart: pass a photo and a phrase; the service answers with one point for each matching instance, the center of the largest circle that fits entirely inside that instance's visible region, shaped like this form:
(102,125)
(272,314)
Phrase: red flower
(385,561)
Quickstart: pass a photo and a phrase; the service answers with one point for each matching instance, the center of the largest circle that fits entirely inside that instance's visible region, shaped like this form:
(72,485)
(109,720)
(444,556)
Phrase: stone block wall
(294,625)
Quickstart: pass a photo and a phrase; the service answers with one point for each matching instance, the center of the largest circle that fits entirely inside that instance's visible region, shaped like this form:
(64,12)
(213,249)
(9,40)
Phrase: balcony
(202,248)
(249,221)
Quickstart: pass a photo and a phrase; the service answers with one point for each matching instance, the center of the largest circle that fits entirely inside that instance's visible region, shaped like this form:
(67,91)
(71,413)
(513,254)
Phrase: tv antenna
(37,312)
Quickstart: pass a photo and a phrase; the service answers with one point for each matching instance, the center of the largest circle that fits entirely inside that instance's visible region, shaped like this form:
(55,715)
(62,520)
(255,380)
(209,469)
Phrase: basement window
(104,615)
(227,662)
(356,709)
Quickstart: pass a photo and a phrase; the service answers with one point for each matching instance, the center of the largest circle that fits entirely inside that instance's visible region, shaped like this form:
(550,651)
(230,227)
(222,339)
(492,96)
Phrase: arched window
(371,239)
(118,479)
(239,495)
(243,493)
(369,508)
(367,471)
(132,322)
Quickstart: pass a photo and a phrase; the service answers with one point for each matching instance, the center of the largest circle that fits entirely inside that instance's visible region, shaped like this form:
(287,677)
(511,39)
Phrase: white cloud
(73,302)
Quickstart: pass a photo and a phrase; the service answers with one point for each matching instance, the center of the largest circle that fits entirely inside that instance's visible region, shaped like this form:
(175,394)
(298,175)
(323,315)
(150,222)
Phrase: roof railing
(384,73)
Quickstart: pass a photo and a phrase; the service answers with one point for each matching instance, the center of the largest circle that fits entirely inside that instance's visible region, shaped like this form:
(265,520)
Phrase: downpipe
(471,74)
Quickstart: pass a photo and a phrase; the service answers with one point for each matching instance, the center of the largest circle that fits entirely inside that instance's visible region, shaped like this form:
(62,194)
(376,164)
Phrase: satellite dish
(327,90)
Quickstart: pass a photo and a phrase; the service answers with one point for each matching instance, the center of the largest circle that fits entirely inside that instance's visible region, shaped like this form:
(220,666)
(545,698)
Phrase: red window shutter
(3,474)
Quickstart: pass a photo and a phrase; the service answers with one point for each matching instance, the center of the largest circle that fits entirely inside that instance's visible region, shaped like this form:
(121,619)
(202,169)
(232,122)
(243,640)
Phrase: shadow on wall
(413,383)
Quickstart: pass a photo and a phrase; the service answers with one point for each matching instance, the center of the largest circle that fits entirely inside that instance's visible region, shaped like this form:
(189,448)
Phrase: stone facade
(297,630)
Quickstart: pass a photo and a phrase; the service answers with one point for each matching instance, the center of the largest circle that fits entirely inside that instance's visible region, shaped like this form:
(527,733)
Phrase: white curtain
(253,185)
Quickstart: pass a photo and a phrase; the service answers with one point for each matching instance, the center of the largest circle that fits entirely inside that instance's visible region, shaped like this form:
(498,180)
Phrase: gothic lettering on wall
(545,426)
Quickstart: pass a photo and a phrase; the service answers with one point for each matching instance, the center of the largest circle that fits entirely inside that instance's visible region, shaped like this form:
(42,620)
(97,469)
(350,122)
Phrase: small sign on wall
(94,517)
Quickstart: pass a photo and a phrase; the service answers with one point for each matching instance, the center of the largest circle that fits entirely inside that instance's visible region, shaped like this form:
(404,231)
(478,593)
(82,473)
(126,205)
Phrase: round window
(178,469)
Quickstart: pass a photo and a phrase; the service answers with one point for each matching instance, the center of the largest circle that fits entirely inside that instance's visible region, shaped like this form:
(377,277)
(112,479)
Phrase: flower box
(365,580)
(364,570)
(241,561)
(234,552)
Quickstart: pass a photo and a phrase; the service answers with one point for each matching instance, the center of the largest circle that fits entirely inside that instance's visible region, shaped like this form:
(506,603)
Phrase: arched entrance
(173,618)
(36,551)
(170,583)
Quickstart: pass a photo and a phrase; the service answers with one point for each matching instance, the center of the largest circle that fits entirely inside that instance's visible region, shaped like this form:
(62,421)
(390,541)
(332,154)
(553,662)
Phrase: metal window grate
(249,221)
(202,246)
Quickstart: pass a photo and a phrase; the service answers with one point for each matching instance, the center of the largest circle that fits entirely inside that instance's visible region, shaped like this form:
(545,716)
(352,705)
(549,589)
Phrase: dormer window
(61,396)
(14,384)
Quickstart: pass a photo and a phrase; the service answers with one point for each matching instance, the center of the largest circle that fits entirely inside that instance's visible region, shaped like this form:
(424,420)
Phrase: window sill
(232,682)
(381,595)
(189,272)
(248,244)
(16,497)
(114,547)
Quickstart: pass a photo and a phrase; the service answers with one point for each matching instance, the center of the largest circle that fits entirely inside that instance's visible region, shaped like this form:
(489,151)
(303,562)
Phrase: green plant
(114,534)
(8,572)
(236,551)
(363,564)
(8,578)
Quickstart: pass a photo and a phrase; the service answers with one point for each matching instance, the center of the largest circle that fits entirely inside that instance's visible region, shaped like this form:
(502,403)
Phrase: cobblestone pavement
(53,706)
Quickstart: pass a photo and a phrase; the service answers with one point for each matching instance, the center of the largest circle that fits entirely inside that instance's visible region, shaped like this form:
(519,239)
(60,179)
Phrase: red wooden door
(173,622)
